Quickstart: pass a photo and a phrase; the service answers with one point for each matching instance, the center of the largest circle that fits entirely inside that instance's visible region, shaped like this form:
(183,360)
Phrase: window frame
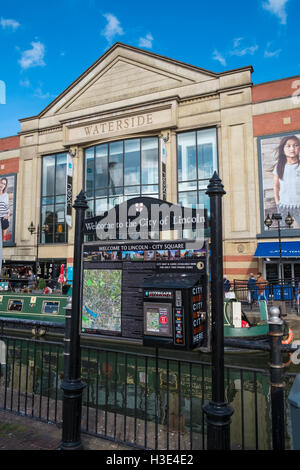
(54,196)
(197,180)
(107,188)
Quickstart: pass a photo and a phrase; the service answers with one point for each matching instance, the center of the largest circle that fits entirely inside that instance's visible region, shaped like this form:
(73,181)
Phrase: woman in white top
(287,178)
(4,206)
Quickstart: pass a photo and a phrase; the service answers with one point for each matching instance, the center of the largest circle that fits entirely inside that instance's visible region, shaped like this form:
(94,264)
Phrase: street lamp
(268,222)
(32,231)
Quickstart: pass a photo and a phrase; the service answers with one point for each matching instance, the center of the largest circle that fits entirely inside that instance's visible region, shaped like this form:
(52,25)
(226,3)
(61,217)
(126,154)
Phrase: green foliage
(42,283)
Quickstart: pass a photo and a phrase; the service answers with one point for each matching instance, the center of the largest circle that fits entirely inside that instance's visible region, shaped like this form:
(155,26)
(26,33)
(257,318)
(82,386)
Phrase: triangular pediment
(124,73)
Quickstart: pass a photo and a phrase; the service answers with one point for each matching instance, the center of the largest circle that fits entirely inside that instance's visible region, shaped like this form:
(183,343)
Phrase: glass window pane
(101,166)
(207,152)
(132,162)
(191,185)
(89,172)
(150,189)
(101,192)
(115,190)
(60,233)
(48,175)
(90,210)
(149,162)
(61,165)
(60,199)
(47,218)
(132,190)
(115,165)
(187,156)
(100,206)
(60,213)
(188,199)
(47,200)
(204,200)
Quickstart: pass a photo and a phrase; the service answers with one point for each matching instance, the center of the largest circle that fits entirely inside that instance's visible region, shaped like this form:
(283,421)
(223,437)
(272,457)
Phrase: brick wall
(286,120)
(9,143)
(10,165)
(278,122)
(276,89)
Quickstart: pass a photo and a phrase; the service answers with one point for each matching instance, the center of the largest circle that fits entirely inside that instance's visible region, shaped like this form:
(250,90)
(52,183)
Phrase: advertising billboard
(280,176)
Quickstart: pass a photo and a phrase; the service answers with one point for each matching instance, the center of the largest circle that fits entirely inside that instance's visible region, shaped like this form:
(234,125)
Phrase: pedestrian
(251,288)
(31,279)
(261,284)
(227,285)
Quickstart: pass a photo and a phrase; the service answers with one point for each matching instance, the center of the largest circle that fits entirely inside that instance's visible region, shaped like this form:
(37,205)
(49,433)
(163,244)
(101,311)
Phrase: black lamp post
(218,412)
(32,231)
(268,222)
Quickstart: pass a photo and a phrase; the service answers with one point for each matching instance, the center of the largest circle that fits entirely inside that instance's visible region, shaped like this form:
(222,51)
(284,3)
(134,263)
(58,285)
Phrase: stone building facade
(114,120)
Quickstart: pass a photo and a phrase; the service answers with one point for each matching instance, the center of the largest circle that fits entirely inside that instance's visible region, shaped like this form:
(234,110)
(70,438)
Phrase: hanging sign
(163,154)
(69,183)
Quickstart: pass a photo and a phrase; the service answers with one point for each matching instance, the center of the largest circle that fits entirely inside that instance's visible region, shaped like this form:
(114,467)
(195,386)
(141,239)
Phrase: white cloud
(277,7)
(113,27)
(269,54)
(217,56)
(33,57)
(146,41)
(38,92)
(9,24)
(25,83)
(246,50)
(237,41)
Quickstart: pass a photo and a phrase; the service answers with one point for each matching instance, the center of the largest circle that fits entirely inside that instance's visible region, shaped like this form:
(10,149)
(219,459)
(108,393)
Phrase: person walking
(261,284)
(31,280)
(227,286)
(251,288)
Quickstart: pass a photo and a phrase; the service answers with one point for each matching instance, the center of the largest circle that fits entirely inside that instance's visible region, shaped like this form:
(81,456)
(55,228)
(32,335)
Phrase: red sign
(163,320)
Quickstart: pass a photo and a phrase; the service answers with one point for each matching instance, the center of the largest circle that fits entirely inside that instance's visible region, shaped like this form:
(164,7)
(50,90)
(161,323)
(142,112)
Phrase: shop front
(280,261)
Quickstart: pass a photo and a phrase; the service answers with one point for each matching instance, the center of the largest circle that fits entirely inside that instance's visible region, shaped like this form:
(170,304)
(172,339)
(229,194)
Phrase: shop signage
(118,125)
(115,125)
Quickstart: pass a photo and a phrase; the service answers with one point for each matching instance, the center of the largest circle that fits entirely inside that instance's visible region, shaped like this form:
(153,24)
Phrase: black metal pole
(218,413)
(37,250)
(72,385)
(276,376)
(280,263)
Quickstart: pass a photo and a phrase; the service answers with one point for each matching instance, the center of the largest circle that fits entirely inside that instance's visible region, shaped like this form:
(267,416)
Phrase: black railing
(147,401)
(273,291)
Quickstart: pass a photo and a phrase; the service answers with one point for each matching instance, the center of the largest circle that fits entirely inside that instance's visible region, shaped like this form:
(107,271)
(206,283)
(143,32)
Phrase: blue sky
(44,46)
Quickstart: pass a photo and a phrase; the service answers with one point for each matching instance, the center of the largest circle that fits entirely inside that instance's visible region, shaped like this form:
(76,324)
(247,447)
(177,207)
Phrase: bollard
(218,413)
(276,378)
(72,385)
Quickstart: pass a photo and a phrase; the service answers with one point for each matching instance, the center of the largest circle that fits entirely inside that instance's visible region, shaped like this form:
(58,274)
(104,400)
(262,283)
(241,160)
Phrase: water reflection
(144,400)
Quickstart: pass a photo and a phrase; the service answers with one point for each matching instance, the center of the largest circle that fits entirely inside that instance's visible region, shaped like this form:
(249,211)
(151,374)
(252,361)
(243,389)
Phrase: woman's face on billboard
(291,148)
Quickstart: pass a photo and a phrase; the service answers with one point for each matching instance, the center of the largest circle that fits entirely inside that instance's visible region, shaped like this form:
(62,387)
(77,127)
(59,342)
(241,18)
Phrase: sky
(45,46)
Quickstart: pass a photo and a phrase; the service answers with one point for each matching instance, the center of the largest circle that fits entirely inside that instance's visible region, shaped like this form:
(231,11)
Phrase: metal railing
(147,401)
(273,291)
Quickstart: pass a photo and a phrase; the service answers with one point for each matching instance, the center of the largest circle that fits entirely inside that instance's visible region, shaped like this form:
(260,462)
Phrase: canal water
(146,397)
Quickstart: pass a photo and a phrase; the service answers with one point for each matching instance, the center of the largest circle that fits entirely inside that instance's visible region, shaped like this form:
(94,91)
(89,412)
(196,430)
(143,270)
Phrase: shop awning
(271,250)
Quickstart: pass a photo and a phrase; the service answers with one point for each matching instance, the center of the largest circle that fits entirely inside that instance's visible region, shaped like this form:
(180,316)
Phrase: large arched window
(118,171)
